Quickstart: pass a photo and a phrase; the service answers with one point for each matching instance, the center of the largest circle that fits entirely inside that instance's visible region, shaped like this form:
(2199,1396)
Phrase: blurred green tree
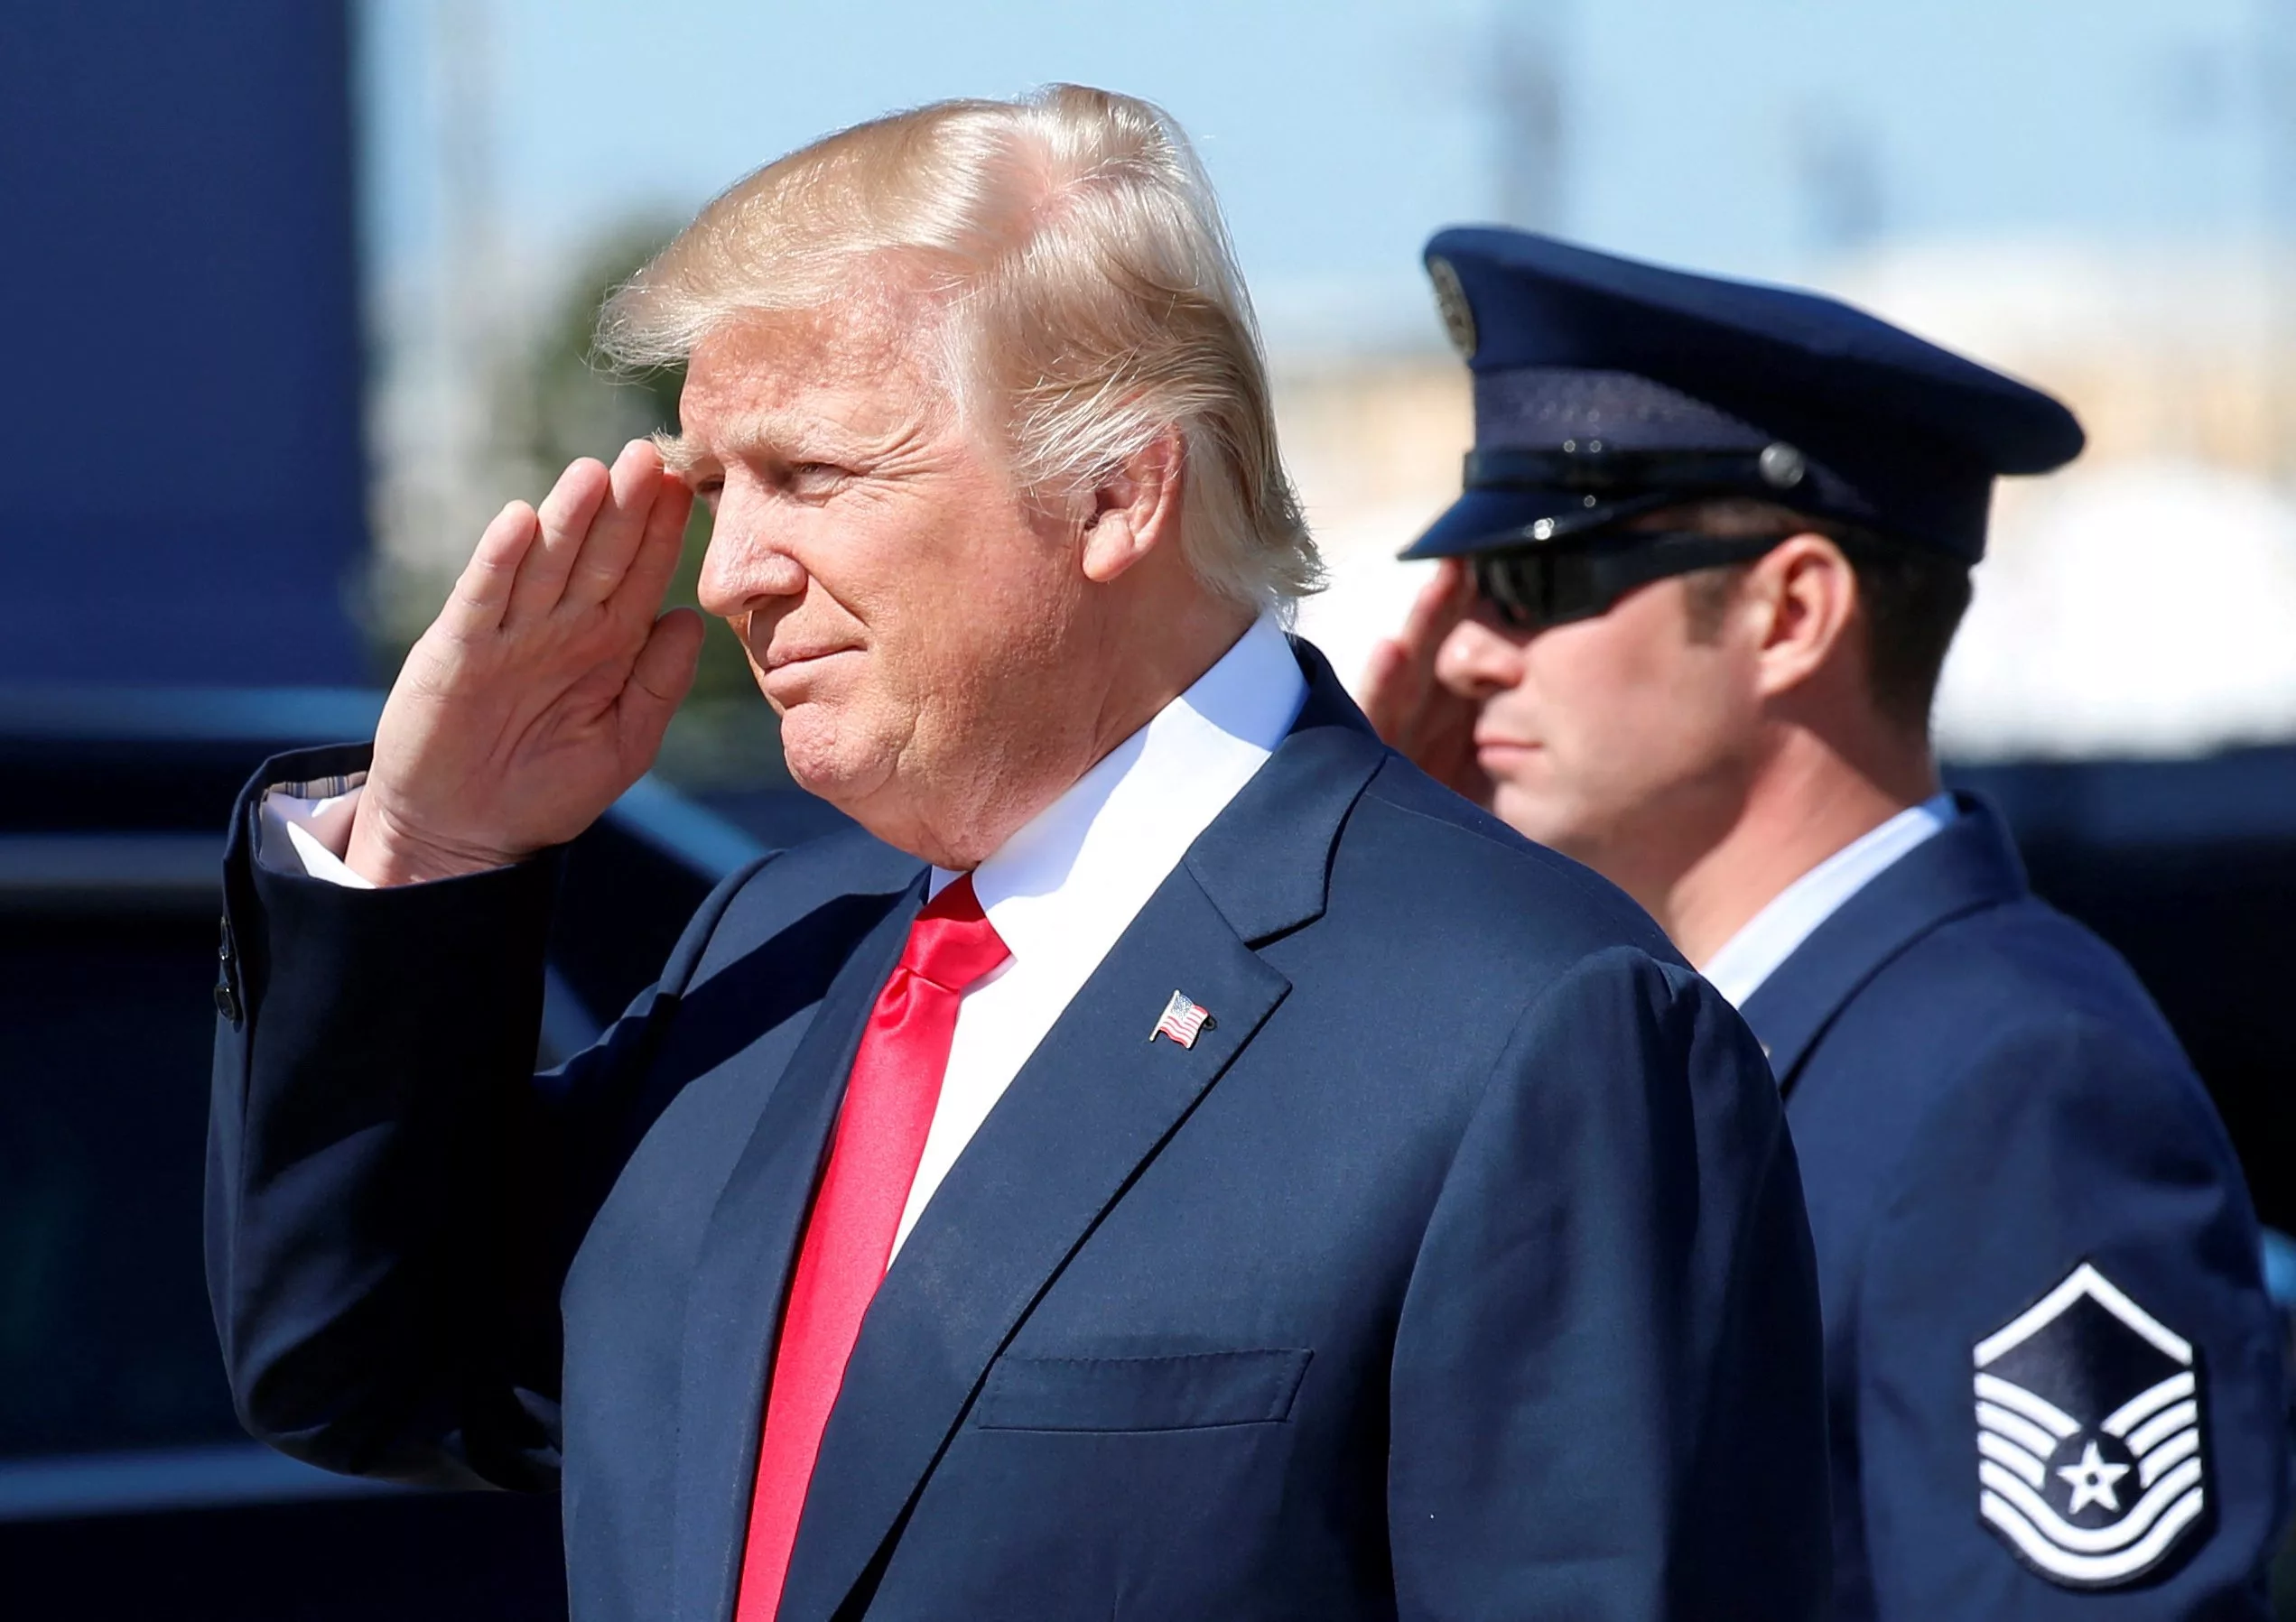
(574,406)
(553,401)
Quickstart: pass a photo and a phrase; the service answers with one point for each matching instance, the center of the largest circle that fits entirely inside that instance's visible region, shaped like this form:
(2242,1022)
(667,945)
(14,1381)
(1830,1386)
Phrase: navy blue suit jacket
(1458,1270)
(1985,1098)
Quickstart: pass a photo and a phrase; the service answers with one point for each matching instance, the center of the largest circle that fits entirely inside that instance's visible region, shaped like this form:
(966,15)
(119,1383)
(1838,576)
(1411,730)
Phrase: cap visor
(1484,520)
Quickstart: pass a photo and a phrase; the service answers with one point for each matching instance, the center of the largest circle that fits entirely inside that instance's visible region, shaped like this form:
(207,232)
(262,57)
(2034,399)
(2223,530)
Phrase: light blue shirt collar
(1769,937)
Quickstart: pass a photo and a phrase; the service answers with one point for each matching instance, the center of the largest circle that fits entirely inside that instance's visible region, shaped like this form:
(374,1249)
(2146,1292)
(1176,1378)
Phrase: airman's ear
(1135,509)
(1806,593)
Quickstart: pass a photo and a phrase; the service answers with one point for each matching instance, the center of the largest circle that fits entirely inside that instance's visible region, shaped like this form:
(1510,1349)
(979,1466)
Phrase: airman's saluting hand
(1431,726)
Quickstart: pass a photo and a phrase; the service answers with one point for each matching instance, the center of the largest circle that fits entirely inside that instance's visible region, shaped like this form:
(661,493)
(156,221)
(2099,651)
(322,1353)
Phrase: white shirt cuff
(306,828)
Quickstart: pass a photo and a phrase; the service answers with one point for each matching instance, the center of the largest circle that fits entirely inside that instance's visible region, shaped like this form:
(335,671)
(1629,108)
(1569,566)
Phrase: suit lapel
(1091,1108)
(733,1311)
(1970,865)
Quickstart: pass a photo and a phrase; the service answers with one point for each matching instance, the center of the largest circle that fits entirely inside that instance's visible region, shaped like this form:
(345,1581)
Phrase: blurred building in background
(2142,602)
(2098,197)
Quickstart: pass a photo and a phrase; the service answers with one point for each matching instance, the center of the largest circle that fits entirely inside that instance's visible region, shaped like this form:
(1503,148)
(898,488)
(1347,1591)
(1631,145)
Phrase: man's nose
(1475,661)
(747,568)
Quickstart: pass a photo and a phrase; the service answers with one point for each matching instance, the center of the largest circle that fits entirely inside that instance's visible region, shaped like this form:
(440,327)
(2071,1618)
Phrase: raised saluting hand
(1428,723)
(543,688)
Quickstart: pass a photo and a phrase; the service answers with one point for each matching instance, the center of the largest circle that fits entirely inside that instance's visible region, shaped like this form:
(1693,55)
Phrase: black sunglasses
(1536,587)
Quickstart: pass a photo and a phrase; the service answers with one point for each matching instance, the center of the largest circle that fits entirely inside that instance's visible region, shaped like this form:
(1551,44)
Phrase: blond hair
(1089,294)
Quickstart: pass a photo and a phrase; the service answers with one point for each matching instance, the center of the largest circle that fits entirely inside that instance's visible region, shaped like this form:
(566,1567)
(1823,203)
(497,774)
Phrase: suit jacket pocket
(1183,1393)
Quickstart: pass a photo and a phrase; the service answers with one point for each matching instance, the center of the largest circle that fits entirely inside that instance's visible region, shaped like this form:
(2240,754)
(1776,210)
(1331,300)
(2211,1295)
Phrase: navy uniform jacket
(1458,1270)
(2036,1256)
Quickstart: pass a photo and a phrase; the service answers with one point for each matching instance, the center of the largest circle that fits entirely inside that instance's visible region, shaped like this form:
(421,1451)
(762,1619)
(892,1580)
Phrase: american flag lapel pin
(1182,1021)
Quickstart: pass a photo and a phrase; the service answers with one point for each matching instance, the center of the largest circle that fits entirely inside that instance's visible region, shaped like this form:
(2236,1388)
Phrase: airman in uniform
(1713,543)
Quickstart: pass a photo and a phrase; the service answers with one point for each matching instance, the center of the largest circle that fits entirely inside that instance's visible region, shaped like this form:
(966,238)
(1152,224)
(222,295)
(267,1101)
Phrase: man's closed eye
(816,480)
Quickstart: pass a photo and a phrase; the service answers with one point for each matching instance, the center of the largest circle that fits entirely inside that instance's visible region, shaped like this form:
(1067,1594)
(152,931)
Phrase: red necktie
(881,1130)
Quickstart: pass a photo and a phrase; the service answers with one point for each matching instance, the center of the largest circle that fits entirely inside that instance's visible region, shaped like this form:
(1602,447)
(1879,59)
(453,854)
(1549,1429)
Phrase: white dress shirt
(1769,938)
(1064,888)
(1059,891)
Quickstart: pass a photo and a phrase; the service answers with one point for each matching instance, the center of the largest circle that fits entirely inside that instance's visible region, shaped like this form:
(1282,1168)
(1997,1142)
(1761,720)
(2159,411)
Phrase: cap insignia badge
(1451,305)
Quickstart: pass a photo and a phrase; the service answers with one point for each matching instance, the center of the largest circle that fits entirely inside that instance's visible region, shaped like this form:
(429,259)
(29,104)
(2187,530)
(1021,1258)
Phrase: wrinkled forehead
(803,382)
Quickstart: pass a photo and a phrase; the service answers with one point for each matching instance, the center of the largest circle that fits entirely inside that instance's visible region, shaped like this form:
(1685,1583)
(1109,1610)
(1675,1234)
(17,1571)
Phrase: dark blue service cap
(1606,389)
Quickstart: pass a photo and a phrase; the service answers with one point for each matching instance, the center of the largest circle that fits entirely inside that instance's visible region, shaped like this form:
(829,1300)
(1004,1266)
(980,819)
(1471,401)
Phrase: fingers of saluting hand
(1442,603)
(565,516)
(481,595)
(658,683)
(1400,675)
(634,488)
(1388,696)
(655,552)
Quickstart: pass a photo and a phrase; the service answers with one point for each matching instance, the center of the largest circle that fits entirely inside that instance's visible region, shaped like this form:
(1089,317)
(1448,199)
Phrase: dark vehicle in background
(179,573)
(127,1489)
(2189,868)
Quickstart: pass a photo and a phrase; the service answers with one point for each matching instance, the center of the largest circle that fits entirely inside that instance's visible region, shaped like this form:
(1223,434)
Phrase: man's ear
(1135,509)
(1807,593)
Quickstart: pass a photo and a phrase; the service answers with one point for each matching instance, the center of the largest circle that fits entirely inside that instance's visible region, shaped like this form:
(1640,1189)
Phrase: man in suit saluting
(1177,1161)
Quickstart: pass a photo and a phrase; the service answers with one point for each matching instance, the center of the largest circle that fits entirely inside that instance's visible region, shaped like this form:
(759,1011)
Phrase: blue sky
(1754,136)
